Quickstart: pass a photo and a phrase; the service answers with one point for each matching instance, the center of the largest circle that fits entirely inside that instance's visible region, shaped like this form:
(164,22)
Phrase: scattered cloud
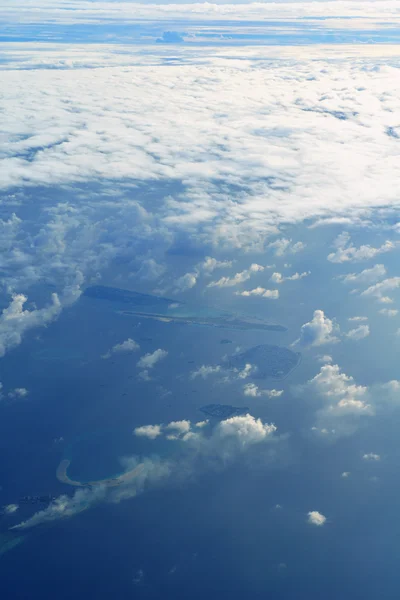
(284,246)
(371,456)
(250,389)
(128,345)
(316,518)
(238,278)
(149,360)
(205,371)
(357,319)
(320,330)
(226,442)
(379,290)
(260,291)
(345,474)
(149,431)
(345,251)
(186,282)
(389,312)
(10,509)
(18,393)
(358,333)
(279,278)
(210,264)
(365,277)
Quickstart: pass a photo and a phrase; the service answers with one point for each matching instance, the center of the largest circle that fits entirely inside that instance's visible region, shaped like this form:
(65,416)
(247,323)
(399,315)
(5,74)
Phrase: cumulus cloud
(316,518)
(15,321)
(238,278)
(210,264)
(364,277)
(128,345)
(205,371)
(345,251)
(284,246)
(358,333)
(389,312)
(379,290)
(279,278)
(149,431)
(340,402)
(260,291)
(18,393)
(149,360)
(371,456)
(320,330)
(252,390)
(325,358)
(186,282)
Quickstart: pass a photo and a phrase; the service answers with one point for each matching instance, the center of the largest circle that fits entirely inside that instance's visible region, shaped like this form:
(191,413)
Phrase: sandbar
(62,476)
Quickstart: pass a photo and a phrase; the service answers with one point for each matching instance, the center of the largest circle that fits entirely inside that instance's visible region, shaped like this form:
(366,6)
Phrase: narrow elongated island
(62,476)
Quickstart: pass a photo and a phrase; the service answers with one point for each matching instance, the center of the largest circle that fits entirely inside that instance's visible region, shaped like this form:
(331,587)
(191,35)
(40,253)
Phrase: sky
(240,160)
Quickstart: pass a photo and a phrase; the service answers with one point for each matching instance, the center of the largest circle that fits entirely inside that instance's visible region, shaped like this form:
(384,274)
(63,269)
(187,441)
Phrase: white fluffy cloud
(149,431)
(210,264)
(205,371)
(371,456)
(238,278)
(260,291)
(186,282)
(18,393)
(128,345)
(15,321)
(380,290)
(279,278)
(316,518)
(149,360)
(345,251)
(365,277)
(252,390)
(358,333)
(320,330)
(61,142)
(284,246)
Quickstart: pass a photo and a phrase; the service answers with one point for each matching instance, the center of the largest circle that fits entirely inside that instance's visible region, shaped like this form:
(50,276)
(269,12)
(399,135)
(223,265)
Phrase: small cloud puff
(148,361)
(316,518)
(128,345)
(260,291)
(252,390)
(149,431)
(238,278)
(358,333)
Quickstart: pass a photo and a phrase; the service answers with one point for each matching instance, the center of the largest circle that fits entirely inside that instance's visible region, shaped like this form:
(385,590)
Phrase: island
(224,411)
(147,306)
(275,362)
(62,476)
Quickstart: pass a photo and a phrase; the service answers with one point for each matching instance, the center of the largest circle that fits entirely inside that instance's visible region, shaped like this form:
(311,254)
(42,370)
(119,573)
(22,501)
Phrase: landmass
(224,411)
(147,306)
(275,362)
(62,476)
(103,292)
(223,321)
